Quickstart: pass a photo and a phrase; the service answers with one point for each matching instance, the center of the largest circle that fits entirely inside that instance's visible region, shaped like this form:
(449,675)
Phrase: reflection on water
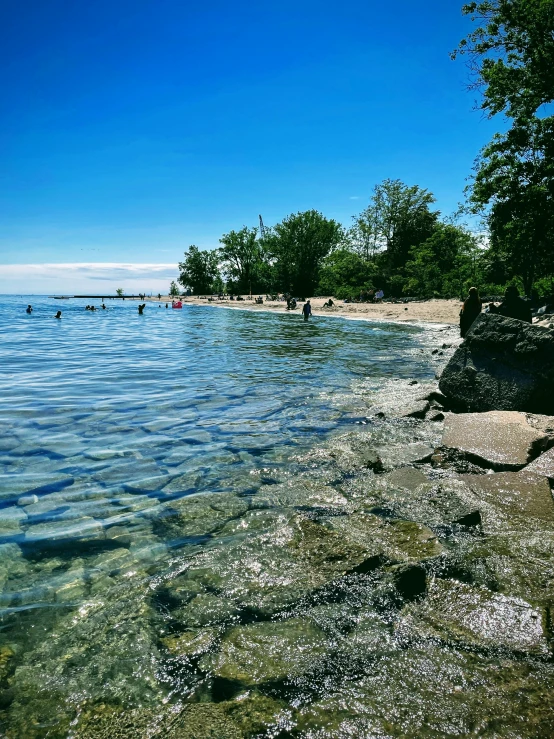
(191,540)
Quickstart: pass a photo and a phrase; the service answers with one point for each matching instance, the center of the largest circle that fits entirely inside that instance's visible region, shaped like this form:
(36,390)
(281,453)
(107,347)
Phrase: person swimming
(29,309)
(58,314)
(141,307)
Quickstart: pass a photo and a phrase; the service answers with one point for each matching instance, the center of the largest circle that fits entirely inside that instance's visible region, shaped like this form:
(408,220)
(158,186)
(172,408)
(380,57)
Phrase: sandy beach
(426,311)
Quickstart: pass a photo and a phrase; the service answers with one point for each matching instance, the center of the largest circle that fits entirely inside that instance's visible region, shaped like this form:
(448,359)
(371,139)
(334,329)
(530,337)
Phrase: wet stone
(397,540)
(436,692)
(267,651)
(23,484)
(501,440)
(457,612)
(198,515)
(416,410)
(513,500)
(397,456)
(543,465)
(191,643)
(441,503)
(406,477)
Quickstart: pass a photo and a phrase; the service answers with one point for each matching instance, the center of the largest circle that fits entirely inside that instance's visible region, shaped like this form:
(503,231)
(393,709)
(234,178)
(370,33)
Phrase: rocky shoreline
(399,583)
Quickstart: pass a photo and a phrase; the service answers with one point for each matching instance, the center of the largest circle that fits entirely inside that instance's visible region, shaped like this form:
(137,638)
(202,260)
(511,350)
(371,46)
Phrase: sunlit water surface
(156,473)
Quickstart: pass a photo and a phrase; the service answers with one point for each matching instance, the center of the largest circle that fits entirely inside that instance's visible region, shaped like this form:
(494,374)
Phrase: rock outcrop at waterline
(503,365)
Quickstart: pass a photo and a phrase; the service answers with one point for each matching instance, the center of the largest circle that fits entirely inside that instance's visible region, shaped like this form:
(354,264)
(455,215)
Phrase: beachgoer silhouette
(58,314)
(513,306)
(307,310)
(141,308)
(29,309)
(471,309)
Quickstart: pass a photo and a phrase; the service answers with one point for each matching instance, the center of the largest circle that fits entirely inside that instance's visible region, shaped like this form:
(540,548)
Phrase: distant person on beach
(379,295)
(58,314)
(471,309)
(513,306)
(307,310)
(328,304)
(29,309)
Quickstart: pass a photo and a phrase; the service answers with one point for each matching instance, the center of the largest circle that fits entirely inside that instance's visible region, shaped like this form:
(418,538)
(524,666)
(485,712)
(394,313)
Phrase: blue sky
(130,129)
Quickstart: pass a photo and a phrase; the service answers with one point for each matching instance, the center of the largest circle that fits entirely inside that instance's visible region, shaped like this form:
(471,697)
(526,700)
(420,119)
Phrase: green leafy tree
(119,292)
(344,274)
(397,218)
(444,265)
(511,54)
(297,247)
(173,289)
(242,259)
(514,186)
(199,270)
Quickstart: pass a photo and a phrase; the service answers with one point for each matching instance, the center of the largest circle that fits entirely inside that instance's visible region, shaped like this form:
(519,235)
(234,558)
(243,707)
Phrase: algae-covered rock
(442,502)
(456,612)
(513,500)
(274,558)
(204,721)
(198,515)
(436,692)
(191,643)
(515,563)
(206,609)
(104,651)
(267,651)
(397,540)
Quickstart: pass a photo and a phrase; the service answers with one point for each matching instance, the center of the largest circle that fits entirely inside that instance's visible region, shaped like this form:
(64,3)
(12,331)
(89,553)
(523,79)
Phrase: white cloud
(73,278)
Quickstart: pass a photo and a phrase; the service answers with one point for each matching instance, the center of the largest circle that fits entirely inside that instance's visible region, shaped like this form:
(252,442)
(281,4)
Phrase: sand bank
(427,311)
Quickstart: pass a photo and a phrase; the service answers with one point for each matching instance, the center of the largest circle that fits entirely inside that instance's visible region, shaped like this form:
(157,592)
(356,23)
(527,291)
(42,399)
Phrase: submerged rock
(513,500)
(500,440)
(471,616)
(267,651)
(503,364)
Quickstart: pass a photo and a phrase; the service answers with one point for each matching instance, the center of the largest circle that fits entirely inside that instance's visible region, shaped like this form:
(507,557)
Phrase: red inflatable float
(176,304)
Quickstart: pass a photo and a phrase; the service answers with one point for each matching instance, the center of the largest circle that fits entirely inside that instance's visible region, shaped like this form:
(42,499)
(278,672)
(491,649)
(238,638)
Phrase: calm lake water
(156,473)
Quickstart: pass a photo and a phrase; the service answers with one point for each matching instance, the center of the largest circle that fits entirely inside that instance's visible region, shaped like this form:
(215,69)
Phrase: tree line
(399,242)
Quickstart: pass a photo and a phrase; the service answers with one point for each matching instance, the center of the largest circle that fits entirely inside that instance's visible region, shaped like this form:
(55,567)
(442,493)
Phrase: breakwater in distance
(208,522)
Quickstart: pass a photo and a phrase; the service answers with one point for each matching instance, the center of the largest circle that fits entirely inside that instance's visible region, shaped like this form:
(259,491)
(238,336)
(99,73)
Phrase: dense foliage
(511,55)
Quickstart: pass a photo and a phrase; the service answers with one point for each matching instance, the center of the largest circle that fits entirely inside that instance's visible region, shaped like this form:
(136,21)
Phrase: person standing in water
(58,314)
(307,310)
(29,309)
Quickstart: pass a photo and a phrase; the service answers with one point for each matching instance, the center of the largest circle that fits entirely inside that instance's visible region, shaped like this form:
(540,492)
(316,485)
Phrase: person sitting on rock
(513,306)
(471,309)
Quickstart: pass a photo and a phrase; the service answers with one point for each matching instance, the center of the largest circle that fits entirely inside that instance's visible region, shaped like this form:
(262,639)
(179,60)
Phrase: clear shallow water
(179,493)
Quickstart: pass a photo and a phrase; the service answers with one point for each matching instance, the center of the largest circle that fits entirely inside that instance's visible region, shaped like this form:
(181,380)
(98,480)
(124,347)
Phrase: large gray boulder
(503,364)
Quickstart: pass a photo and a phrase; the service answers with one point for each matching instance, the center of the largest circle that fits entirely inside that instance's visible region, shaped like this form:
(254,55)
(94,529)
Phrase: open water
(159,475)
